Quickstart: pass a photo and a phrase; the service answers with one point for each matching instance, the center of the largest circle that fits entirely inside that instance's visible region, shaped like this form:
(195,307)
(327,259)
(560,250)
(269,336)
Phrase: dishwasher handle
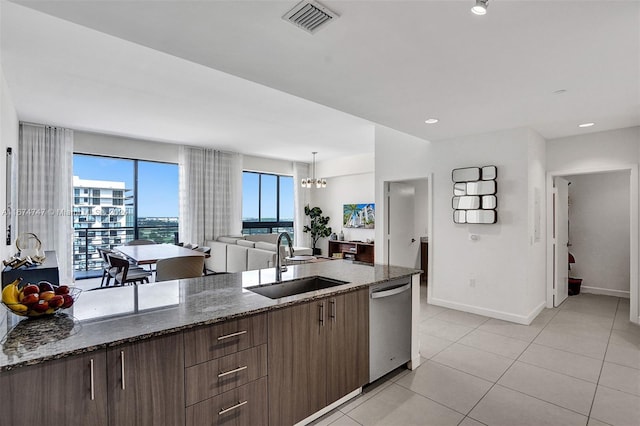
(390,292)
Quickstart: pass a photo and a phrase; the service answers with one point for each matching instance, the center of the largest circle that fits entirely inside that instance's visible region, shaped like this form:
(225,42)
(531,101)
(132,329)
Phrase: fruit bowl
(36,300)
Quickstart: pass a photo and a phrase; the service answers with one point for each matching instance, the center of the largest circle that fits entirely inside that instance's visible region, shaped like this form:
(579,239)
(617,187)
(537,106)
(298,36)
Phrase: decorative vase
(317,251)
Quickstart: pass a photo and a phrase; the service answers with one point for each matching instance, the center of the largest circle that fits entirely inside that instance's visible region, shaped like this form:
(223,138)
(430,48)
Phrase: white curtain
(300,199)
(210,194)
(45,188)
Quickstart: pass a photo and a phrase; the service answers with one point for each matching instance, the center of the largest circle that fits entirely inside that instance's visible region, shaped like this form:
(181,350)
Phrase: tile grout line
(507,369)
(593,400)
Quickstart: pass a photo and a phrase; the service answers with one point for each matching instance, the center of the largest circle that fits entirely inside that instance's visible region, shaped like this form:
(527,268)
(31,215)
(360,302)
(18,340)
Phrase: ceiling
(396,63)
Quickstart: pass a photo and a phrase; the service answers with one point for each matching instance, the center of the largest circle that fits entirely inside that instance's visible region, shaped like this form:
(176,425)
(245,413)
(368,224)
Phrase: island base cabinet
(65,392)
(318,353)
(296,352)
(243,406)
(347,343)
(146,382)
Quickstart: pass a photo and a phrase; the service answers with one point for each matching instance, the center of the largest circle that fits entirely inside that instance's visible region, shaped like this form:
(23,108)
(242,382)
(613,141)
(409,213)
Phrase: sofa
(246,252)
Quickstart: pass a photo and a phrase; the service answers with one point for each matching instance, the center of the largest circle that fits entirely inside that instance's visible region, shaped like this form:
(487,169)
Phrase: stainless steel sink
(293,287)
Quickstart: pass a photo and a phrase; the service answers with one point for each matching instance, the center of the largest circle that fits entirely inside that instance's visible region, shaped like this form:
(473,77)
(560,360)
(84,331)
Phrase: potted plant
(317,227)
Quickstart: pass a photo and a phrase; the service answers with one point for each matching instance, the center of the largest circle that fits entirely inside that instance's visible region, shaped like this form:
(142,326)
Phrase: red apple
(30,289)
(68,301)
(63,289)
(45,286)
(30,299)
(42,306)
(56,301)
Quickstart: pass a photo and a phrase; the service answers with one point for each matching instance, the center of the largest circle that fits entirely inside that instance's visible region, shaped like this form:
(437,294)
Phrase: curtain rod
(43,125)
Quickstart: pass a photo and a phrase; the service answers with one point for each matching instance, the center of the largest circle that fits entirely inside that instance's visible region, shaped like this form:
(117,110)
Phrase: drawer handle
(122,367)
(235,370)
(233,407)
(228,336)
(93,393)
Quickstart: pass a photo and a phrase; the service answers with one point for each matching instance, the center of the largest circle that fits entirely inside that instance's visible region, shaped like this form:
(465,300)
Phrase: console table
(47,271)
(353,250)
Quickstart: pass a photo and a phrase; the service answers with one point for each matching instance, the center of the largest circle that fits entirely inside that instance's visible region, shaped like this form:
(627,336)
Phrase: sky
(250,196)
(157,182)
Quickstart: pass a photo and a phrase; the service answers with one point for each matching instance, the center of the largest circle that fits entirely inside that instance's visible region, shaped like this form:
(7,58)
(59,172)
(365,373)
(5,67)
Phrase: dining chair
(175,268)
(207,254)
(140,242)
(108,270)
(124,275)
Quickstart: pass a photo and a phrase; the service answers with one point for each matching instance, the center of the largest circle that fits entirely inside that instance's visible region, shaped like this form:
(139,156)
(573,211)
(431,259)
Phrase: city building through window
(117,200)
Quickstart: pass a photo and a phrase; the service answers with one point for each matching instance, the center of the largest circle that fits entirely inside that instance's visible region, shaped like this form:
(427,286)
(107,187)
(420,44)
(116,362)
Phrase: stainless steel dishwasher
(389,326)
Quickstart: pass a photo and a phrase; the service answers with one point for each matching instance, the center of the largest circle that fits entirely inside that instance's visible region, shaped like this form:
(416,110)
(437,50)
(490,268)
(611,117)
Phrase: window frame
(248,225)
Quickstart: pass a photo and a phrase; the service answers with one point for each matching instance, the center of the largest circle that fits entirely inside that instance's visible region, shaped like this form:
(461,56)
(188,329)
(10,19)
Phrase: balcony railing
(86,241)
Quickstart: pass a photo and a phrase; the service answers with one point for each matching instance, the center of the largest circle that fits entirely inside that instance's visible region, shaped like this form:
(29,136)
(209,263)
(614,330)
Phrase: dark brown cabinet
(226,373)
(146,382)
(139,383)
(66,392)
(347,344)
(353,250)
(318,353)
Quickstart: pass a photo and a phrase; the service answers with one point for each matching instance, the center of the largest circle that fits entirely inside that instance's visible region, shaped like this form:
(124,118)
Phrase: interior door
(560,240)
(402,245)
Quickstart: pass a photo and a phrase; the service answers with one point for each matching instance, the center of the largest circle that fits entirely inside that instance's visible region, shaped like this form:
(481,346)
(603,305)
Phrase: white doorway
(557,258)
(560,232)
(407,221)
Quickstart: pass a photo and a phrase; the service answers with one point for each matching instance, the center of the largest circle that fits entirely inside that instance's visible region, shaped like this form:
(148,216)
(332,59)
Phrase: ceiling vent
(310,16)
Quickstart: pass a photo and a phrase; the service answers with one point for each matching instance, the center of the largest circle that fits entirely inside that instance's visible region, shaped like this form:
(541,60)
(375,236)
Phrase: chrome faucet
(282,268)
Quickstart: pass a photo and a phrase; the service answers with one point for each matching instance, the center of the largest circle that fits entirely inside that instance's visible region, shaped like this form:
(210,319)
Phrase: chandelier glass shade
(313,181)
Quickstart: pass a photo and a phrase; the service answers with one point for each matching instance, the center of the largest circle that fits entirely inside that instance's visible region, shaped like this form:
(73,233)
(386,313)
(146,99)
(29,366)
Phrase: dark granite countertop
(111,316)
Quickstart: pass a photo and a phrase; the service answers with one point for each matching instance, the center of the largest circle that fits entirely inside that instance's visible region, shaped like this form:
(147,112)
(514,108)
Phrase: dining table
(149,254)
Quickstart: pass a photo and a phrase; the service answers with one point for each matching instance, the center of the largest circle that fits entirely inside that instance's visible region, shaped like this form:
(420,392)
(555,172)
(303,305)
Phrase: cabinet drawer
(206,343)
(246,405)
(214,377)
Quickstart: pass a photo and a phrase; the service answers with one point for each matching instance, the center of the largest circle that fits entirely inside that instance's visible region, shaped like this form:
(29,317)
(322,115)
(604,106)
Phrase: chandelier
(309,182)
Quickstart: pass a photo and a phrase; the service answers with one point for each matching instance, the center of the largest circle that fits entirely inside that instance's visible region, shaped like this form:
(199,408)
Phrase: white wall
(8,138)
(267,165)
(398,157)
(599,231)
(498,261)
(350,180)
(117,146)
(613,148)
(537,218)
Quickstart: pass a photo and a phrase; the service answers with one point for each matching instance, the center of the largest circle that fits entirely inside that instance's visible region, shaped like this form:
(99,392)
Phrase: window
(126,199)
(267,203)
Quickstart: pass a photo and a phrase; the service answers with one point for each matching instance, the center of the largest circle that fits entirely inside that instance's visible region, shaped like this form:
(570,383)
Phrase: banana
(10,297)
(10,294)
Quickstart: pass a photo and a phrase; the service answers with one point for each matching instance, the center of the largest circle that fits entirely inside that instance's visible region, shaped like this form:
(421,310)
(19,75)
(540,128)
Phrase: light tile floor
(574,365)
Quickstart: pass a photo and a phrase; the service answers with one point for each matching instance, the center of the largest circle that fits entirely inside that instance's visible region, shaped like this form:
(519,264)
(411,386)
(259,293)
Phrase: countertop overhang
(111,316)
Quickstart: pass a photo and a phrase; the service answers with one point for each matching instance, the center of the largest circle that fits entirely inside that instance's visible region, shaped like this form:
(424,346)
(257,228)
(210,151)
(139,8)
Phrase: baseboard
(501,315)
(329,407)
(604,291)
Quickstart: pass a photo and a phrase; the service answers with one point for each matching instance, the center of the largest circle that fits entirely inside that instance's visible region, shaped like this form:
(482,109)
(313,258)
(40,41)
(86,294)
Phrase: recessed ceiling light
(431,120)
(480,7)
(586,124)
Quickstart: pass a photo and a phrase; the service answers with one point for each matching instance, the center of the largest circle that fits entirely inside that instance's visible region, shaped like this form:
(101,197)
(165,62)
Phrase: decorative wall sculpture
(474,195)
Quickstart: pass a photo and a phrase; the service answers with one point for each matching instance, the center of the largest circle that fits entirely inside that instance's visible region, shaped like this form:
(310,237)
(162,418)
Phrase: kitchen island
(173,313)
